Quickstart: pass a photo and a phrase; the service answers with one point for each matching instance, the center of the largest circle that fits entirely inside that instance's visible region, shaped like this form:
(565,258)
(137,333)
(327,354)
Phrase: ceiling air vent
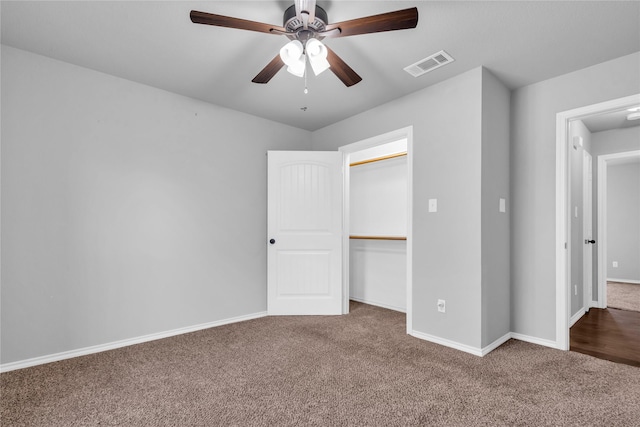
(429,63)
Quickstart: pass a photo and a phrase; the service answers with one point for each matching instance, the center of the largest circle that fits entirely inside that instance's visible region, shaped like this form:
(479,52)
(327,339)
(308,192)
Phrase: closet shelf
(378,237)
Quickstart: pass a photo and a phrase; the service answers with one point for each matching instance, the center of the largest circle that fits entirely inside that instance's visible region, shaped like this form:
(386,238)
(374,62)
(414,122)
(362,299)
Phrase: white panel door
(587,197)
(304,257)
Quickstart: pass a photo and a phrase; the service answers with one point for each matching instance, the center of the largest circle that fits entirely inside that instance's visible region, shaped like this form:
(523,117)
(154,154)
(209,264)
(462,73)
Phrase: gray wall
(120,214)
(533,166)
(126,210)
(449,149)
(608,142)
(446,153)
(615,141)
(496,282)
(623,221)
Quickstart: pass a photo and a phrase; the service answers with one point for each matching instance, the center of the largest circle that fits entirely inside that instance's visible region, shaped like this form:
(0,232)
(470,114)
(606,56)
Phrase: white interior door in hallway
(587,209)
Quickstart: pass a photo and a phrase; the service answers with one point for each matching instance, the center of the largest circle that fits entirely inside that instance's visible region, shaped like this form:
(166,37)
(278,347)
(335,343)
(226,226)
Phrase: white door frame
(603,164)
(404,133)
(563,200)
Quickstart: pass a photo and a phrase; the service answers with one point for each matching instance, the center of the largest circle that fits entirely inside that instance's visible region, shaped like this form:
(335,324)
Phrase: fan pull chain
(306,90)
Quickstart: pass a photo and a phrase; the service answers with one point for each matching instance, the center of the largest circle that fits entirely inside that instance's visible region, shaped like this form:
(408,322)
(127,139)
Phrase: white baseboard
(534,340)
(5,367)
(447,343)
(576,317)
(379,304)
(497,343)
(463,347)
(635,282)
(486,350)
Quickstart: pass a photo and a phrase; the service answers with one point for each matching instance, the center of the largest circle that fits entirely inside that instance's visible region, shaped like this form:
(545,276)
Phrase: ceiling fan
(306,24)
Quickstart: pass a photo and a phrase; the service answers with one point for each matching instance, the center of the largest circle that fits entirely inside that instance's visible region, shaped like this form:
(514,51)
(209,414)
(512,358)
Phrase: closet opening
(377,222)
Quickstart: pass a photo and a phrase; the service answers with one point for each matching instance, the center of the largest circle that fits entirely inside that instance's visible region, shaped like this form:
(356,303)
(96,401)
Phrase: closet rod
(377,159)
(378,237)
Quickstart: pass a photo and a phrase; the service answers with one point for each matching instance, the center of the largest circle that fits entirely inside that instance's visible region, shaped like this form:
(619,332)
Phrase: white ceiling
(155,43)
(608,121)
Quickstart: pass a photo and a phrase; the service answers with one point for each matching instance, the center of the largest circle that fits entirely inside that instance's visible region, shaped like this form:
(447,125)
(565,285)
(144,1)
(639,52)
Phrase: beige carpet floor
(355,370)
(625,296)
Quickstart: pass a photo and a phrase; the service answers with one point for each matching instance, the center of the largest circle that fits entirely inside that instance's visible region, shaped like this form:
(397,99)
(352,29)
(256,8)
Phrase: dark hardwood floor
(610,334)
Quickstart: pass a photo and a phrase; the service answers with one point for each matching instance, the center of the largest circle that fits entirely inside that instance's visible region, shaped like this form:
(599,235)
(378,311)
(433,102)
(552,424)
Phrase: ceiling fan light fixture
(292,54)
(317,53)
(298,68)
(303,21)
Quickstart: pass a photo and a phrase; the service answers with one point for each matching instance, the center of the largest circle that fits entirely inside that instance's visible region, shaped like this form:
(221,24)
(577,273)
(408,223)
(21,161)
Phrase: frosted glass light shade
(298,68)
(292,54)
(317,53)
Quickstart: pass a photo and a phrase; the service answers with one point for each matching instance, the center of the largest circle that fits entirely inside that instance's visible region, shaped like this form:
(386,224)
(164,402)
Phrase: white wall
(623,222)
(126,210)
(378,273)
(378,198)
(533,127)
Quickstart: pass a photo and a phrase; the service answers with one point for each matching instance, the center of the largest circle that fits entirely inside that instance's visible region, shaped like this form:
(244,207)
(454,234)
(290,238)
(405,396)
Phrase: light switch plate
(503,205)
(433,205)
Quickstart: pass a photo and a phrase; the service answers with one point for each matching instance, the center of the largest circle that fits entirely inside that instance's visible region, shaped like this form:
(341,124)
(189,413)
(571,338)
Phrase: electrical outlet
(441,305)
(615,264)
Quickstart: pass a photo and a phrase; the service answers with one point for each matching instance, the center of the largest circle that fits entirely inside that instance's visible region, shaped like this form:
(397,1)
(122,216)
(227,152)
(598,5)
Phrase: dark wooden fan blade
(269,71)
(391,21)
(229,22)
(341,69)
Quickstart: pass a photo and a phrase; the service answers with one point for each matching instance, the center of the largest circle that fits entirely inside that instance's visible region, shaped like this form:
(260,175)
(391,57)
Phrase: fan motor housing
(292,24)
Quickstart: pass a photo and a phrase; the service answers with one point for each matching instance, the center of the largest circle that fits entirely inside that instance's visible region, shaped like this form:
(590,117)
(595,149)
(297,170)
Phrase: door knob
(272,241)
(590,241)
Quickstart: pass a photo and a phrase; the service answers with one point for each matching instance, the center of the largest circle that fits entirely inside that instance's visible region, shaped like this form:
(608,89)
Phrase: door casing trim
(563,200)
